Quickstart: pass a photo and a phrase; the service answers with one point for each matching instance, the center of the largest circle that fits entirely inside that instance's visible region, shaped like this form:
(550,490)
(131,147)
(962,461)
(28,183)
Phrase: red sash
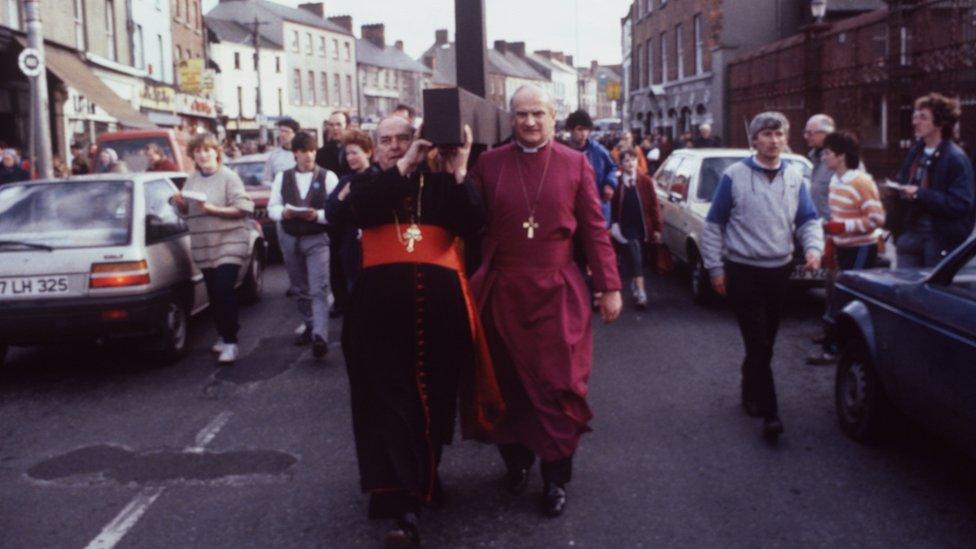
(482,406)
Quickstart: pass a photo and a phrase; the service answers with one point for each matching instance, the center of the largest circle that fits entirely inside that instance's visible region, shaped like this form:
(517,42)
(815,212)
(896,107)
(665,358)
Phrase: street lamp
(818,8)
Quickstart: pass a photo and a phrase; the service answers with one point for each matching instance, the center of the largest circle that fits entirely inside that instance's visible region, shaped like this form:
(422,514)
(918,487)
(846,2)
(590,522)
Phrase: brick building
(866,72)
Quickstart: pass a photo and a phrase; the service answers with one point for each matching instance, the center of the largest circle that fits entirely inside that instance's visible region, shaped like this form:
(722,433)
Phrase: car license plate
(799,273)
(34,286)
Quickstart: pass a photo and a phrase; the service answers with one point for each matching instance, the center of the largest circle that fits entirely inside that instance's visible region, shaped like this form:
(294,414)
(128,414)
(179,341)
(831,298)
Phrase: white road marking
(114,531)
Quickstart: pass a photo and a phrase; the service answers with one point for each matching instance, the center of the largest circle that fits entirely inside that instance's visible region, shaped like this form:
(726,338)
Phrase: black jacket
(950,198)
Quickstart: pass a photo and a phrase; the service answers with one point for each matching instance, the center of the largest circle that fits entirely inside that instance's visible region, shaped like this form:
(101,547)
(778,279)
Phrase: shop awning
(67,66)
(164,118)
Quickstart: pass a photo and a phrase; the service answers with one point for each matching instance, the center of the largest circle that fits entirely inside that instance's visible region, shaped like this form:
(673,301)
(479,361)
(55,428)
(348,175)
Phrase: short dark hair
(845,143)
(579,118)
(411,112)
(945,111)
(289,123)
(624,154)
(304,141)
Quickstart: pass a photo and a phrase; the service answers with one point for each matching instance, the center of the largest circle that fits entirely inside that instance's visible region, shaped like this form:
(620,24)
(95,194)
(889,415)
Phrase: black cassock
(406,338)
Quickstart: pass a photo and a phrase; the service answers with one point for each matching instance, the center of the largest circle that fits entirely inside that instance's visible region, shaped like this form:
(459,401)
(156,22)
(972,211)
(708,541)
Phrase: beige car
(685,183)
(103,256)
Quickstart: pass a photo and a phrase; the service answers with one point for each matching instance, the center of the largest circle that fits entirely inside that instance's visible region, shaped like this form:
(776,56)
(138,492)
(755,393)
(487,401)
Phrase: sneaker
(641,300)
(319,348)
(228,354)
(218,347)
(300,329)
(304,338)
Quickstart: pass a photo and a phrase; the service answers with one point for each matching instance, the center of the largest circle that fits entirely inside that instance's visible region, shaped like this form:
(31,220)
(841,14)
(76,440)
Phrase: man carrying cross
(534,303)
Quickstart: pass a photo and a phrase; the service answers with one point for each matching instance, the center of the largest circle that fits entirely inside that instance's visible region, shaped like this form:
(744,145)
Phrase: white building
(237,82)
(553,65)
(152,46)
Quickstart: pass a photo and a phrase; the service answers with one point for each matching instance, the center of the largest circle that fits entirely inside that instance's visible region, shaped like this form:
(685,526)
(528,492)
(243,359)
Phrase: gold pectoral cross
(530,226)
(412,235)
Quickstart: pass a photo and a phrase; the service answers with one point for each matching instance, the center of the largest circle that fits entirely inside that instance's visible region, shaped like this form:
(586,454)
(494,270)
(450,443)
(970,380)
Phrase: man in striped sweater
(856,214)
(759,203)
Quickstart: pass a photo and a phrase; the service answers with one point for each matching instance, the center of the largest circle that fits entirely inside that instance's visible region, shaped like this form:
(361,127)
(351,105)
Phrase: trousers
(757,295)
(307,262)
(223,301)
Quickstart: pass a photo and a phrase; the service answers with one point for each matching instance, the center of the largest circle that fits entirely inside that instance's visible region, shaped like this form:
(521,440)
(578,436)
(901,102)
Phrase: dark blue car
(908,340)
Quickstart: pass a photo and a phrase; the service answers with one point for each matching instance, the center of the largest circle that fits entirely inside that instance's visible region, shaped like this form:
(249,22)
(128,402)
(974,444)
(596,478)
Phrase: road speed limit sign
(29,62)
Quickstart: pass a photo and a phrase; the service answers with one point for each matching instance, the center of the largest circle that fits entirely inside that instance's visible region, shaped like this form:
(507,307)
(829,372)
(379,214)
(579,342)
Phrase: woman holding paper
(216,205)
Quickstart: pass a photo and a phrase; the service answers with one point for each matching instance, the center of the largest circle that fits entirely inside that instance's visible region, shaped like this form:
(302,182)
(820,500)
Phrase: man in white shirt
(297,202)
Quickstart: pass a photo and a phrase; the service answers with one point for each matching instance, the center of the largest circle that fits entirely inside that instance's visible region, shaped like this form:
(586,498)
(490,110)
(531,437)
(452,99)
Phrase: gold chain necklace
(412,235)
(530,224)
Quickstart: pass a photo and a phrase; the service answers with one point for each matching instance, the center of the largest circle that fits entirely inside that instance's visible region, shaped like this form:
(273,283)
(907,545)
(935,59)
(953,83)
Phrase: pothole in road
(105,463)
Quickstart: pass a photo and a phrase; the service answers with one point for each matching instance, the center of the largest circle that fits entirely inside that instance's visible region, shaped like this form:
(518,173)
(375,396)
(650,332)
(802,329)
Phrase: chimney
(318,8)
(501,46)
(375,33)
(399,45)
(518,48)
(428,61)
(594,65)
(344,21)
(569,60)
(544,53)
(440,37)
(558,56)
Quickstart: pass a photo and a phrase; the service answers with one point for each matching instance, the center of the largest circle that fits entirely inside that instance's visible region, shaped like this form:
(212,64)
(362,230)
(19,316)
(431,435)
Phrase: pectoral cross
(530,226)
(412,235)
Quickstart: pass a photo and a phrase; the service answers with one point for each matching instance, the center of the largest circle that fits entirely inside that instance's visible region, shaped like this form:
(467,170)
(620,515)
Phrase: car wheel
(863,409)
(170,343)
(253,284)
(701,284)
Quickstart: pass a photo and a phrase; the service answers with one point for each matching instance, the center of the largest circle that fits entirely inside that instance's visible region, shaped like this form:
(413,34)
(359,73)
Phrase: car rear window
(73,214)
(250,172)
(713,168)
(132,151)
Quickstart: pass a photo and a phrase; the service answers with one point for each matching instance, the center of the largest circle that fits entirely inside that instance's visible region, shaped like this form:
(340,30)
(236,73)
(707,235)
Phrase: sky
(542,24)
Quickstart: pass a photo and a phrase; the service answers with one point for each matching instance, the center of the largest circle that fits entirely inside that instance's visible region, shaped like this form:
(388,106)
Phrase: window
(278,64)
(348,51)
(321,46)
(348,90)
(679,50)
(112,50)
(386,78)
(649,6)
(905,49)
(640,9)
(324,86)
(336,90)
(308,43)
(191,15)
(138,49)
(664,56)
(294,42)
(281,101)
(296,87)
(162,59)
(237,60)
(162,219)
(699,46)
(335,49)
(240,101)
(177,9)
(311,87)
(649,56)
(79,23)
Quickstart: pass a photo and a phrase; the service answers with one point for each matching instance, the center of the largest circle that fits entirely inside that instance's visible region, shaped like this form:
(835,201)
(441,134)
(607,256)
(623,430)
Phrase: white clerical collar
(531,150)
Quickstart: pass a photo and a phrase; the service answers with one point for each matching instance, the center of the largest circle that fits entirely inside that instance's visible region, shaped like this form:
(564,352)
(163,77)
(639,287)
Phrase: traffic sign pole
(40,128)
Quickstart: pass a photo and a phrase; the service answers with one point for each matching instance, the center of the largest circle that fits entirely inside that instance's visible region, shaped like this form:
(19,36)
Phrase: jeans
(757,295)
(916,249)
(307,262)
(223,299)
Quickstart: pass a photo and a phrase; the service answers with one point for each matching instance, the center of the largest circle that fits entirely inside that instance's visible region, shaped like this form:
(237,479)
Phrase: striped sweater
(214,240)
(854,201)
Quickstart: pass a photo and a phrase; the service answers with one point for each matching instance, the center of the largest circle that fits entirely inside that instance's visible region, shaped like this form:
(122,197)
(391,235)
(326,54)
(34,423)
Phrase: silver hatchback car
(103,256)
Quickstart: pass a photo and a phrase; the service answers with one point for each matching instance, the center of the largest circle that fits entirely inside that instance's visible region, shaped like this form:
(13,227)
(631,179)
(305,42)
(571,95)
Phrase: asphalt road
(98,447)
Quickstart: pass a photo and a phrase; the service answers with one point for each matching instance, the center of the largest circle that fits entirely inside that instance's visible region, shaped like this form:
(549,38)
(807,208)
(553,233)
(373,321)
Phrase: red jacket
(648,201)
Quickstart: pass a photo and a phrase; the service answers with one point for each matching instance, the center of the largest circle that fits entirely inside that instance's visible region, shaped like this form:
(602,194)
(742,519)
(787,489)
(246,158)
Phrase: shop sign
(160,98)
(194,105)
(190,74)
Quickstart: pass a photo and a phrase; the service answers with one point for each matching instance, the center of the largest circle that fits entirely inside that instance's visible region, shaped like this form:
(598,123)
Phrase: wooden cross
(530,226)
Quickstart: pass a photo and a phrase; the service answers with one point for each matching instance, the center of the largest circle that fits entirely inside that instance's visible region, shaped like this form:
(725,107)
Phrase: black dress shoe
(319,348)
(517,480)
(405,535)
(751,407)
(772,428)
(554,500)
(304,338)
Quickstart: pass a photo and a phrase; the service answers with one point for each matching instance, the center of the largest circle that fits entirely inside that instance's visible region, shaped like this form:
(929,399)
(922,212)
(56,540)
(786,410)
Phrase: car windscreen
(131,151)
(250,172)
(713,168)
(72,214)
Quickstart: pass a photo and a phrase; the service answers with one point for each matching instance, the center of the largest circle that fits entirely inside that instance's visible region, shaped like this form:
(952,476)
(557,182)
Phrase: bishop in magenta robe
(533,300)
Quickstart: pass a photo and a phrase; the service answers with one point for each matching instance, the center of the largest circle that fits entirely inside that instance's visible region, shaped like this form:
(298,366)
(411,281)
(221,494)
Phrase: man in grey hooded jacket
(759,204)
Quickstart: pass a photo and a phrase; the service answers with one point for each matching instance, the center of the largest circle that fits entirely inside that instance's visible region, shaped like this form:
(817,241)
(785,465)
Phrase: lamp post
(813,73)
(818,8)
(40,139)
